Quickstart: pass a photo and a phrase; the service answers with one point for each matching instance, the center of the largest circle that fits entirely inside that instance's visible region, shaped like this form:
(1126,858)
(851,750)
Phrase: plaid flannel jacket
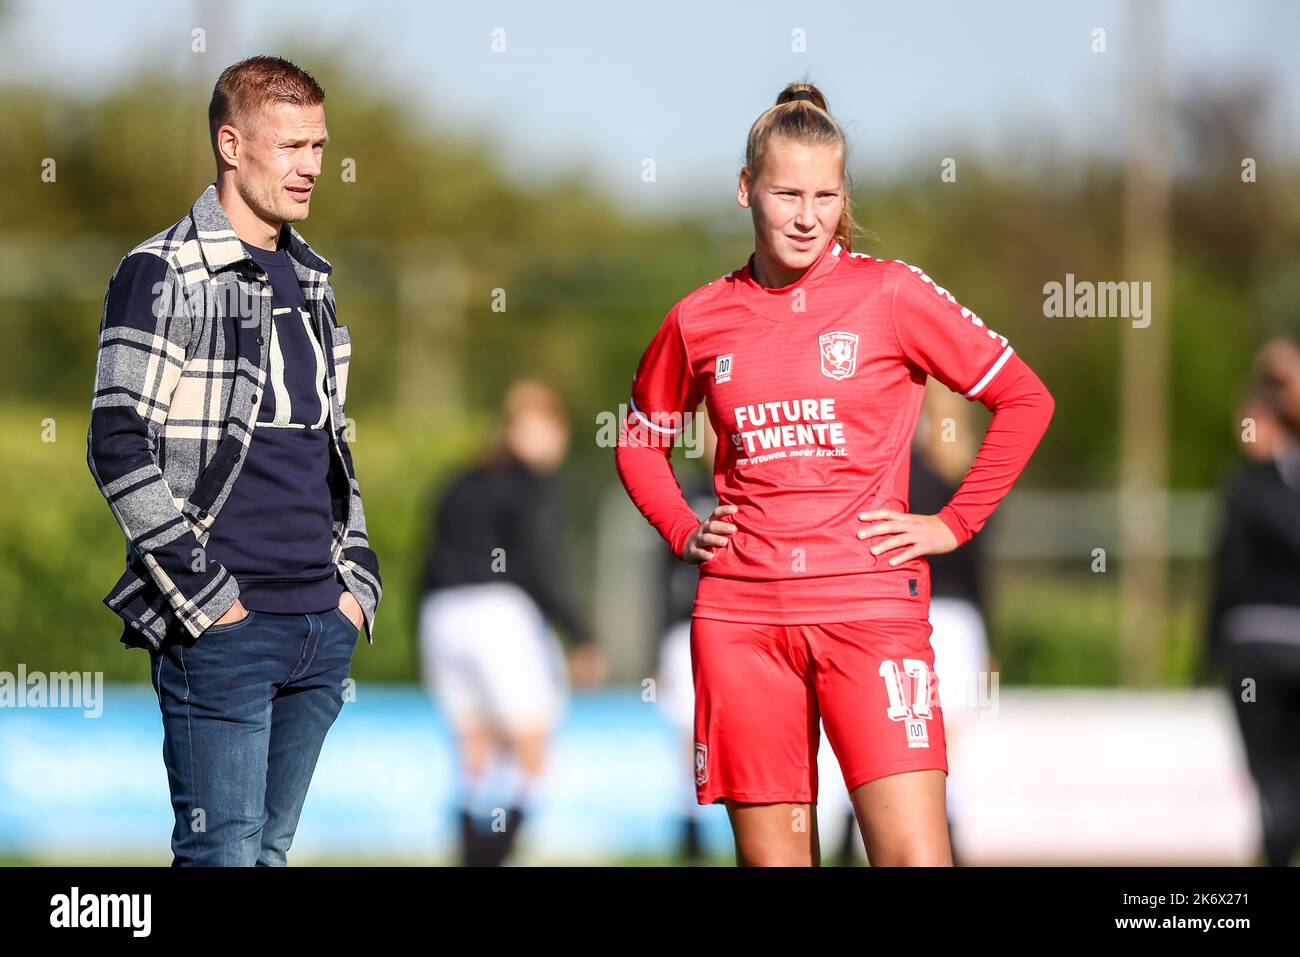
(183,352)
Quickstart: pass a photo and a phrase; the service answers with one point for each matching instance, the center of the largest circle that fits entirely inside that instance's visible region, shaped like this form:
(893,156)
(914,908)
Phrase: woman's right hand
(710,535)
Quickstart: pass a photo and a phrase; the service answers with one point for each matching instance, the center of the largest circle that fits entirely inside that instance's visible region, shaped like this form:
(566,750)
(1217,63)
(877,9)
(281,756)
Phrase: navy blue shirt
(274,532)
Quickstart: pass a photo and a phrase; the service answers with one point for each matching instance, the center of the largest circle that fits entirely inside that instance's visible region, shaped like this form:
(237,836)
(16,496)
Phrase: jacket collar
(220,247)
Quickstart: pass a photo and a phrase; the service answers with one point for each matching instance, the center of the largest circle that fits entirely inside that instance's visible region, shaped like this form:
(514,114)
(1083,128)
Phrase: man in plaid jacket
(217,435)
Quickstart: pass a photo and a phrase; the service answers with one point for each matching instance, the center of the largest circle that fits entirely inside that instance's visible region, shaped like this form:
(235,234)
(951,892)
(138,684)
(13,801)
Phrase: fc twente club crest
(839,351)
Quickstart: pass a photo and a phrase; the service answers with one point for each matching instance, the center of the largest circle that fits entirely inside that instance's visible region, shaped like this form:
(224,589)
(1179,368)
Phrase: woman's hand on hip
(916,534)
(710,535)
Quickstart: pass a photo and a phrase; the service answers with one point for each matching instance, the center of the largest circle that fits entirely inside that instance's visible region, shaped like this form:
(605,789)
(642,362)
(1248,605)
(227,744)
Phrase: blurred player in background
(491,581)
(1254,617)
(813,596)
(676,692)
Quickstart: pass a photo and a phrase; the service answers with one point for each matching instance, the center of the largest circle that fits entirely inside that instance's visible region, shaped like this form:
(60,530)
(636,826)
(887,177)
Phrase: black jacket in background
(679,579)
(504,505)
(1256,557)
(956,574)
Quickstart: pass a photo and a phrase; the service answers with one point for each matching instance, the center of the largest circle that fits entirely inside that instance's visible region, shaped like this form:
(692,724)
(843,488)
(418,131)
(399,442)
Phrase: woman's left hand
(923,534)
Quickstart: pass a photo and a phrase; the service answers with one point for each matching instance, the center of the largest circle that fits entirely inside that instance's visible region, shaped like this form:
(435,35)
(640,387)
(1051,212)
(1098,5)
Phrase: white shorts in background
(675,695)
(488,657)
(961,655)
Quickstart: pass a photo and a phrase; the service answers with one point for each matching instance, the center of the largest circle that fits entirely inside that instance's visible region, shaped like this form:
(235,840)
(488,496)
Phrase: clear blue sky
(602,86)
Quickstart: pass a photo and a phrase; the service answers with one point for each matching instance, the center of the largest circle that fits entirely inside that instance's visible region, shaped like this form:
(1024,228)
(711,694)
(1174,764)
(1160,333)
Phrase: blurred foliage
(1055,627)
(588,281)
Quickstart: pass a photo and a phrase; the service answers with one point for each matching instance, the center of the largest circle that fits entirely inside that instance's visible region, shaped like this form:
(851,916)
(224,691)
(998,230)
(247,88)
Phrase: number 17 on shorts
(912,709)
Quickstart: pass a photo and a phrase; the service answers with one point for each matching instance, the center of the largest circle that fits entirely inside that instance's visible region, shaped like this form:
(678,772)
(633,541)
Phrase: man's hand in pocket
(352,608)
(236,612)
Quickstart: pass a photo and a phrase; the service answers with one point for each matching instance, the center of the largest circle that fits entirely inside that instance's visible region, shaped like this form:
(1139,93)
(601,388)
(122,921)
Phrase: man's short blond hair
(248,86)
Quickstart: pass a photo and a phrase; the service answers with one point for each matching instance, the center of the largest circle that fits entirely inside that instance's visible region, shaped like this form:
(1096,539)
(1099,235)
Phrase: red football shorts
(761,689)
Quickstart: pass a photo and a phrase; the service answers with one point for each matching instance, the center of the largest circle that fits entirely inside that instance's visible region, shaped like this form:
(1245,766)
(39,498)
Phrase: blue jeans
(245,710)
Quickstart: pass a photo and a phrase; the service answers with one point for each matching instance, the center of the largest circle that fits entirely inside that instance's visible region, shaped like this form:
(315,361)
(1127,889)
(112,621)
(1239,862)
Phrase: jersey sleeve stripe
(647,423)
(978,387)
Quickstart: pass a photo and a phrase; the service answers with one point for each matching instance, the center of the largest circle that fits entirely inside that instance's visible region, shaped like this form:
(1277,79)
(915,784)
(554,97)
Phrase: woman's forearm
(1022,408)
(648,476)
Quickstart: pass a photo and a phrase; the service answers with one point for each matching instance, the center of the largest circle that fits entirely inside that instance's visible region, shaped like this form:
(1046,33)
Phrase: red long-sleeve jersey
(814,390)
